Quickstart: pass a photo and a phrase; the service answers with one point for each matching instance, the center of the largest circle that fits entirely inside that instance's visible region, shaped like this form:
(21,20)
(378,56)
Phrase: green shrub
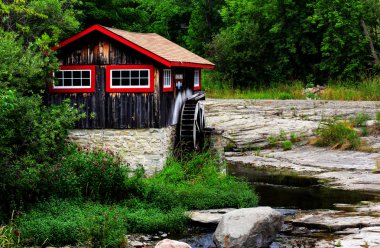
(360,119)
(58,222)
(32,138)
(196,183)
(95,174)
(337,134)
(61,222)
(139,204)
(287,145)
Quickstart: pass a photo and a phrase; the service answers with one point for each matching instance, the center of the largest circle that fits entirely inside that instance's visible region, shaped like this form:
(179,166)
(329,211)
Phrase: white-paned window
(72,79)
(167,78)
(196,79)
(130,78)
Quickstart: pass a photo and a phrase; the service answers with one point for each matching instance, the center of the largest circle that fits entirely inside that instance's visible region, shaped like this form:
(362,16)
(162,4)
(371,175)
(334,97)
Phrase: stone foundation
(147,147)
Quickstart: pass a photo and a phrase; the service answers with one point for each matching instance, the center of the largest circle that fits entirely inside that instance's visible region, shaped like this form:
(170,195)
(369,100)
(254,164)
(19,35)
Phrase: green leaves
(277,40)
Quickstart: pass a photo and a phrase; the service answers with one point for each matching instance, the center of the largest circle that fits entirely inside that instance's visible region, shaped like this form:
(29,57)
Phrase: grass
(365,90)
(337,134)
(58,222)
(283,140)
(152,204)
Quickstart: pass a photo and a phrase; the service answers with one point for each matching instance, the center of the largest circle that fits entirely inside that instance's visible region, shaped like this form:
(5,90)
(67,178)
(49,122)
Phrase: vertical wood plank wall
(118,110)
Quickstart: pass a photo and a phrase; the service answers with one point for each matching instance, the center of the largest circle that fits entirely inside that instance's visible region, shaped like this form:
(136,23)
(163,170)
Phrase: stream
(288,193)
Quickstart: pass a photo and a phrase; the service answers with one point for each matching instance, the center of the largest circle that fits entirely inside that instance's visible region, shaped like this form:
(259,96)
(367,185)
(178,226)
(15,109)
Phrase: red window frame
(199,78)
(148,89)
(73,89)
(171,88)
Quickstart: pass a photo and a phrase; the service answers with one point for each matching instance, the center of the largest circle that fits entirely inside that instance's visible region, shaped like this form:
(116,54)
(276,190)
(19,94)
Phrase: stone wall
(146,147)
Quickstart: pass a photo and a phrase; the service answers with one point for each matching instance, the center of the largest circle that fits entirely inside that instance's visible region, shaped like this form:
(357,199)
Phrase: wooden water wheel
(192,123)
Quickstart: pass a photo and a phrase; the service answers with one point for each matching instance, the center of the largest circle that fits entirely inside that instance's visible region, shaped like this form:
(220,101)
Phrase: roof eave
(121,39)
(193,65)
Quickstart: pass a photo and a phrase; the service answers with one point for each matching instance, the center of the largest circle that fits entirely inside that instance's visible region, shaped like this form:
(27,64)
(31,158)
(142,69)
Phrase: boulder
(248,228)
(210,216)
(168,243)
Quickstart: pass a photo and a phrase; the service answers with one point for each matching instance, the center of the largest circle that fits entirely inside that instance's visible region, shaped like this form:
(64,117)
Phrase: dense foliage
(313,41)
(121,202)
(32,137)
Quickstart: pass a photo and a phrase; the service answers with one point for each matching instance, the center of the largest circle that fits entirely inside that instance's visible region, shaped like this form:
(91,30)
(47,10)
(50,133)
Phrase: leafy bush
(360,119)
(196,183)
(32,137)
(148,205)
(95,174)
(337,134)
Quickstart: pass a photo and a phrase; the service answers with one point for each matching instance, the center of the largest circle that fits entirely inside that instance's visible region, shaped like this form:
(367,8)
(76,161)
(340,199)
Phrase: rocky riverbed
(247,127)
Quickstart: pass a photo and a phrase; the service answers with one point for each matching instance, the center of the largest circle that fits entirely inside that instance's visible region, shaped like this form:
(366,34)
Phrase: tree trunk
(372,47)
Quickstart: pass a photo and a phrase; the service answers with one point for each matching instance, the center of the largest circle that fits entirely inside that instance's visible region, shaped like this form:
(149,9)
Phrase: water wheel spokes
(192,125)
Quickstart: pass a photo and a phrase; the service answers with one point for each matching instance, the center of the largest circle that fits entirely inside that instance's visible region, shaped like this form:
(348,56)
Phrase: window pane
(125,74)
(144,73)
(76,82)
(85,74)
(116,82)
(67,74)
(134,82)
(116,74)
(58,82)
(77,74)
(144,82)
(67,82)
(85,82)
(125,82)
(135,74)
(58,74)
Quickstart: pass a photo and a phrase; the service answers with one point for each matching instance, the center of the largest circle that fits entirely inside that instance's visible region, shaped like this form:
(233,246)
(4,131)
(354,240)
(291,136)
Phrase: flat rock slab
(210,216)
(248,123)
(336,220)
(326,158)
(350,170)
(367,237)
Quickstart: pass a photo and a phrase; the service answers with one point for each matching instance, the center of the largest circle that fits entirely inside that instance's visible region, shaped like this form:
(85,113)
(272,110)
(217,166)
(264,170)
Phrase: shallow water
(288,193)
(298,192)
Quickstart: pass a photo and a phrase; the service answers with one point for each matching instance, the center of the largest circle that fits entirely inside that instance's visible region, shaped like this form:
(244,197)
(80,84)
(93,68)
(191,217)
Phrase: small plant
(9,235)
(258,152)
(338,244)
(294,137)
(272,140)
(337,134)
(360,119)
(287,145)
(366,245)
(377,169)
(229,147)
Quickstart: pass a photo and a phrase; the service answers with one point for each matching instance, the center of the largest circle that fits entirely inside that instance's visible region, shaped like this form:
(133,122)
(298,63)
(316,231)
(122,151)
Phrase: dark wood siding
(120,110)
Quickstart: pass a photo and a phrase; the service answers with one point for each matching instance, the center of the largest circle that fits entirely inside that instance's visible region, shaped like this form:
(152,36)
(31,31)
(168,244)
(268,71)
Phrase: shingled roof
(150,44)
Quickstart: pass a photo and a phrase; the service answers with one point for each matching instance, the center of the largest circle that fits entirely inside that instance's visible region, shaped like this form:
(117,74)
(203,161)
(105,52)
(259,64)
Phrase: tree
(205,22)
(314,40)
(344,47)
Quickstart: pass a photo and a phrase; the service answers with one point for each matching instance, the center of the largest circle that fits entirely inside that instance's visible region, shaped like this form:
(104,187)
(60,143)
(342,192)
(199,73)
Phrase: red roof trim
(193,65)
(138,48)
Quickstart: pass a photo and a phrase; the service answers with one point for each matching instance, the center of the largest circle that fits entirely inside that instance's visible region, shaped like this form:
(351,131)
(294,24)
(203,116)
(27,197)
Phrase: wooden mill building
(132,87)
(124,79)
